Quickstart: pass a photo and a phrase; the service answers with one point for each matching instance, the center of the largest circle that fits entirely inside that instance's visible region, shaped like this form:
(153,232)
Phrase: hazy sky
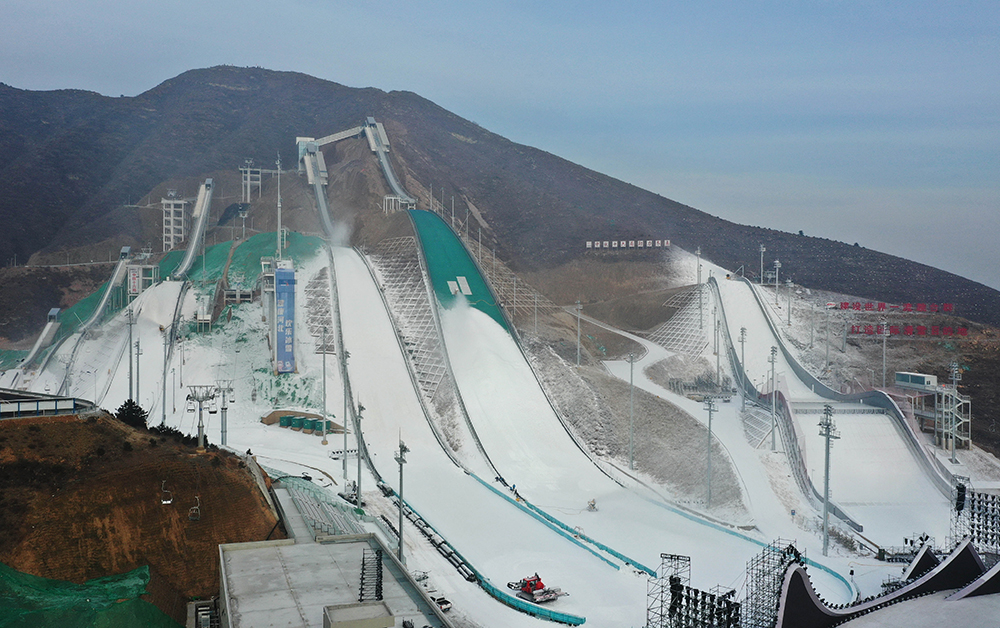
(871,122)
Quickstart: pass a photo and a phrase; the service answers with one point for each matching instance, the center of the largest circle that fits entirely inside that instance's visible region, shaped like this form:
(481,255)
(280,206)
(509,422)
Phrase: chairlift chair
(191,407)
(166,497)
(194,514)
(213,408)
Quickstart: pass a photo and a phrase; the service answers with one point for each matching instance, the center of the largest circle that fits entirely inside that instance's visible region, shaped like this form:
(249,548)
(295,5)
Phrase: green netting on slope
(170,262)
(9,358)
(447,260)
(111,602)
(214,261)
(245,266)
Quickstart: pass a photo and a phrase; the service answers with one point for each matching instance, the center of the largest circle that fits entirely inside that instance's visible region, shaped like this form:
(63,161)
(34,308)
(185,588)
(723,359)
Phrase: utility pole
(762,249)
(578,308)
(631,414)
(710,406)
(743,368)
(774,395)
(223,387)
(130,323)
(828,432)
(401,460)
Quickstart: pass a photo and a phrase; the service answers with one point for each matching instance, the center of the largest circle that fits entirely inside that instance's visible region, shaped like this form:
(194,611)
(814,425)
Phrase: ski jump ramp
(200,216)
(878,474)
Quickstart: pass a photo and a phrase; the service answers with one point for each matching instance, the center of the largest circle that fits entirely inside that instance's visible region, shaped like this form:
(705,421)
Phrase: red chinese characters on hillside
(922,308)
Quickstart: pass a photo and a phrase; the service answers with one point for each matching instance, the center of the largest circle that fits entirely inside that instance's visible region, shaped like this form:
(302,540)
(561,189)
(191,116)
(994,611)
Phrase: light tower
(578,309)
(278,164)
(829,432)
(401,460)
(631,414)
(710,406)
(762,249)
(743,367)
(774,415)
(777,268)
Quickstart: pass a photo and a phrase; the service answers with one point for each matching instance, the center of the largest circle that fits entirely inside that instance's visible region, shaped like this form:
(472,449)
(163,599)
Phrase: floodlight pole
(718,354)
(812,324)
(827,337)
(701,306)
(578,308)
(130,323)
(777,268)
(323,413)
(710,406)
(762,249)
(828,432)
(357,437)
(344,358)
(278,164)
(401,460)
(743,367)
(138,352)
(163,397)
(788,285)
(885,335)
(774,390)
(631,414)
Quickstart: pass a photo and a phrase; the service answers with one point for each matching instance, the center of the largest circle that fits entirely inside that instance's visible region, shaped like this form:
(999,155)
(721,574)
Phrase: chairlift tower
(224,387)
(201,394)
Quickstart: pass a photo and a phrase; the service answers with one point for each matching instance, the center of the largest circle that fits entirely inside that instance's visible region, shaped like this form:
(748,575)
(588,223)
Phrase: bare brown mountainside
(81,499)
(70,161)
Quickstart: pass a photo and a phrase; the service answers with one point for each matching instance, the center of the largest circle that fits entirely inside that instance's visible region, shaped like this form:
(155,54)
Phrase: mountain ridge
(73,159)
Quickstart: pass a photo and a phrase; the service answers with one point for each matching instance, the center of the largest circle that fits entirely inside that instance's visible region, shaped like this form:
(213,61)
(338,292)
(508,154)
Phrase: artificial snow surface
(874,476)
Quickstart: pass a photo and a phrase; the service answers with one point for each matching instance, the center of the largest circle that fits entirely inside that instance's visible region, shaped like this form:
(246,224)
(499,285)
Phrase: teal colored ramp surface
(448,261)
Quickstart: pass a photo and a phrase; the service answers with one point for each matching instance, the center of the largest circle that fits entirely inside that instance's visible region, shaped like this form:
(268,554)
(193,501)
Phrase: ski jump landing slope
(874,474)
(496,536)
(529,445)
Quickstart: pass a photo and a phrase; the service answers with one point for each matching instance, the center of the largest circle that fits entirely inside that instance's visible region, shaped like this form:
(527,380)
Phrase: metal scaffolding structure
(674,575)
(399,273)
(319,316)
(765,573)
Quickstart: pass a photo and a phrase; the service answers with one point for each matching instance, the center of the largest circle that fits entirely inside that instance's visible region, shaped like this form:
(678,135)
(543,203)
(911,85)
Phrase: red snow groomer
(534,590)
